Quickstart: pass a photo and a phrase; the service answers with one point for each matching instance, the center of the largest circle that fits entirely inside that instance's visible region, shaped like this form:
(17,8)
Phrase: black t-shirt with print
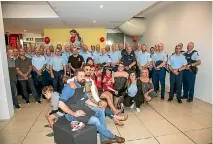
(76,62)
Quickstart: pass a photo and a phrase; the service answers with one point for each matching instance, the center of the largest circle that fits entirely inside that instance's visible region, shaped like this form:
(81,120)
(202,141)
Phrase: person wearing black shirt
(75,61)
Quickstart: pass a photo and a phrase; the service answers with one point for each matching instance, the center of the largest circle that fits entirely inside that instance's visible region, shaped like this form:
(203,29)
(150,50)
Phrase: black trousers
(128,101)
(24,84)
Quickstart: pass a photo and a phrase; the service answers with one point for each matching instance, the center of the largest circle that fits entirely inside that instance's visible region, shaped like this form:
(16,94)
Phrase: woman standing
(134,95)
(147,86)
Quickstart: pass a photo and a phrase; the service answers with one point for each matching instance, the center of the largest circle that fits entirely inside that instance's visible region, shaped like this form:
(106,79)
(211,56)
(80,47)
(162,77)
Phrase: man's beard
(82,82)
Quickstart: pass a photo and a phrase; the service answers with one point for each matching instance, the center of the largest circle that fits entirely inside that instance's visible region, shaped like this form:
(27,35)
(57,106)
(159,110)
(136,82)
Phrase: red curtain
(14,39)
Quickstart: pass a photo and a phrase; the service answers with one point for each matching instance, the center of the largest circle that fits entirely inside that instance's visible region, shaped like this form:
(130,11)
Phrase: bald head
(190,46)
(10,52)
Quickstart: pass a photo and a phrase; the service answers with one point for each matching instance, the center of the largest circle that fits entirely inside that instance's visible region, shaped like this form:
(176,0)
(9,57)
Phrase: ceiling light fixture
(94,21)
(101,6)
(24,30)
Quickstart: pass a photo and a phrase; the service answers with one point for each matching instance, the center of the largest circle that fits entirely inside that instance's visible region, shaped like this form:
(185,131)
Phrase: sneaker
(179,101)
(138,110)
(118,139)
(18,107)
(189,100)
(132,106)
(162,98)
(38,101)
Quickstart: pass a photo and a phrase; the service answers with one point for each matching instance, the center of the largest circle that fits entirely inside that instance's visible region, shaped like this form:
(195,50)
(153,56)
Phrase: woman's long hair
(129,79)
(75,32)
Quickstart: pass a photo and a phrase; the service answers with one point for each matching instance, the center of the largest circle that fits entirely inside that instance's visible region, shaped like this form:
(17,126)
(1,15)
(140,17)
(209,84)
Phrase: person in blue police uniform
(143,60)
(65,55)
(57,70)
(159,60)
(176,63)
(129,59)
(105,58)
(85,53)
(47,78)
(97,54)
(39,66)
(115,57)
(151,51)
(189,74)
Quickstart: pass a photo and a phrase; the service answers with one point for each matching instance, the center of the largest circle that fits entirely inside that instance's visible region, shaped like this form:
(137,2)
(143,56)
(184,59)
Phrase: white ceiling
(68,14)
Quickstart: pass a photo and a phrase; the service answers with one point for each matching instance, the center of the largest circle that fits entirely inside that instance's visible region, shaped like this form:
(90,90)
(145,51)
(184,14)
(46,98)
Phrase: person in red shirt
(99,71)
(108,81)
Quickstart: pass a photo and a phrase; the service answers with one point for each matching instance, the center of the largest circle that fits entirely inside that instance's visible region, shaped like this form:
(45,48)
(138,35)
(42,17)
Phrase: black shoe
(18,107)
(179,101)
(183,97)
(170,99)
(50,134)
(162,98)
(189,100)
(27,102)
(38,101)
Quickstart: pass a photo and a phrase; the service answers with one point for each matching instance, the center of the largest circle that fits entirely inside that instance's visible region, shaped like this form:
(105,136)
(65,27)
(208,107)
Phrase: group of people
(86,85)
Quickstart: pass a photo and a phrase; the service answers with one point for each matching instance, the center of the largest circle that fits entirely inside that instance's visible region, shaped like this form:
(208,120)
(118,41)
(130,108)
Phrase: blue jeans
(57,81)
(99,121)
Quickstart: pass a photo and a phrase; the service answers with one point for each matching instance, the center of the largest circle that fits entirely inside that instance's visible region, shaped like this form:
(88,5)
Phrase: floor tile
(143,141)
(161,127)
(204,119)
(179,138)
(185,123)
(203,136)
(38,138)
(12,139)
(39,127)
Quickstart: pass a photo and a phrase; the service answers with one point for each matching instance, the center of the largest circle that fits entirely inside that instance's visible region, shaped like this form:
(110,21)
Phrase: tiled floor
(159,122)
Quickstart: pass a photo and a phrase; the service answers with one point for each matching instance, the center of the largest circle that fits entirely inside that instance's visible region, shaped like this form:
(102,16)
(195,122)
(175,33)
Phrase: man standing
(57,70)
(72,102)
(24,68)
(75,61)
(115,56)
(39,65)
(144,59)
(97,54)
(129,59)
(13,77)
(189,74)
(159,60)
(85,53)
(46,73)
(105,58)
(177,64)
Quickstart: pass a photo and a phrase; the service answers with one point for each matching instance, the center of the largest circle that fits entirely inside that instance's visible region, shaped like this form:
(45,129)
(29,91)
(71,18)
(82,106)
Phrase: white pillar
(6,104)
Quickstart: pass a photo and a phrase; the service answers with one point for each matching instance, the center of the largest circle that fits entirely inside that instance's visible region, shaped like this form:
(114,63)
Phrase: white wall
(185,22)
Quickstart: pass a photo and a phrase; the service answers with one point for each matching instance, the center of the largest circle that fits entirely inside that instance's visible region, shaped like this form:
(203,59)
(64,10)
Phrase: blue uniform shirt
(115,56)
(195,55)
(38,62)
(67,93)
(159,56)
(132,90)
(137,53)
(106,58)
(65,56)
(57,63)
(144,58)
(97,56)
(48,58)
(177,61)
(85,55)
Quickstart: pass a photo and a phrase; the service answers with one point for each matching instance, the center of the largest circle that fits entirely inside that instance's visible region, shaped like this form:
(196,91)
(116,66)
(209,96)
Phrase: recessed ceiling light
(94,21)
(24,30)
(101,6)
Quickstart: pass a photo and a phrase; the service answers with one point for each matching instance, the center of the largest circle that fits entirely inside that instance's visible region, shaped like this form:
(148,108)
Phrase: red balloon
(72,39)
(102,39)
(134,39)
(47,40)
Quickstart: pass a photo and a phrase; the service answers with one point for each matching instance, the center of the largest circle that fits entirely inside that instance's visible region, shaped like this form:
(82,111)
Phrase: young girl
(99,72)
(108,81)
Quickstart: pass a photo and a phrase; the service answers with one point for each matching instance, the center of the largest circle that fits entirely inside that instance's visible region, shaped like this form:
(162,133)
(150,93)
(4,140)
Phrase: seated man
(72,102)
